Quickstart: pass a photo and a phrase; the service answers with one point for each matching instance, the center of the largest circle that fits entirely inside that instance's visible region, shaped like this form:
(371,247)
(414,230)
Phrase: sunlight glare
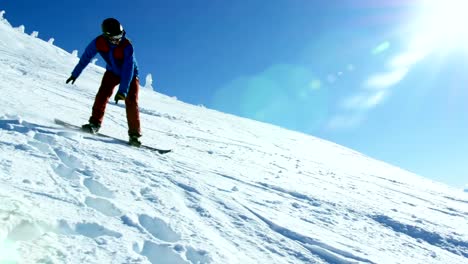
(443,24)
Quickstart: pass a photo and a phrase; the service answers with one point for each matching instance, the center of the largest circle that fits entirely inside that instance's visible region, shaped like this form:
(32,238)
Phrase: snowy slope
(233,190)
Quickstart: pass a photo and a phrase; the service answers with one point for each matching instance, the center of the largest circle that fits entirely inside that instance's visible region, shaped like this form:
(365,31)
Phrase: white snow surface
(232,191)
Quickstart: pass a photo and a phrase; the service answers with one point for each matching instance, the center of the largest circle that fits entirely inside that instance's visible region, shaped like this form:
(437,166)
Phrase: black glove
(119,96)
(71,79)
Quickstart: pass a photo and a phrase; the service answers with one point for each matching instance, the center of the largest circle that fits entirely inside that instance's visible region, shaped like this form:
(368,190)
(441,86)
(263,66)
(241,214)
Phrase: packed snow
(232,191)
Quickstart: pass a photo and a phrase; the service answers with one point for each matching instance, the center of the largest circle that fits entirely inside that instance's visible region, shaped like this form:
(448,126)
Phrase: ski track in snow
(233,191)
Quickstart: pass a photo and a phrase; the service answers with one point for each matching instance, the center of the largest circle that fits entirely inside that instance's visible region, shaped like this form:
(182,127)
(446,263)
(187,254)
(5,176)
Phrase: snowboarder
(121,67)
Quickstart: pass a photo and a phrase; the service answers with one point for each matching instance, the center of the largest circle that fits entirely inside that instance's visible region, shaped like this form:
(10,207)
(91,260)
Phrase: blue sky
(383,77)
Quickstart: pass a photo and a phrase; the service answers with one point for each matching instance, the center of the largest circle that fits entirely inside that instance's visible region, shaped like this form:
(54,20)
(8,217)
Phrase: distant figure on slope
(121,68)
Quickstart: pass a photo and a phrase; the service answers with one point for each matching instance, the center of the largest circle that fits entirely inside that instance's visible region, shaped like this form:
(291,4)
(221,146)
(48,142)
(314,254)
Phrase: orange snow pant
(109,81)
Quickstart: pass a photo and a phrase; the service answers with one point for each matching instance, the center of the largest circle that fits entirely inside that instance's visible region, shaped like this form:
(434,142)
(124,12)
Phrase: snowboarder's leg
(131,106)
(109,81)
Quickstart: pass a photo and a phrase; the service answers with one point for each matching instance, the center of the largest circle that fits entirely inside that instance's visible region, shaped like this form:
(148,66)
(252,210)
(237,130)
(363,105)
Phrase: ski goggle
(113,39)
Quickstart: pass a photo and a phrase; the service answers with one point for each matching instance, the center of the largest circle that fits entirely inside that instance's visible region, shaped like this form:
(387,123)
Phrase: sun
(442,24)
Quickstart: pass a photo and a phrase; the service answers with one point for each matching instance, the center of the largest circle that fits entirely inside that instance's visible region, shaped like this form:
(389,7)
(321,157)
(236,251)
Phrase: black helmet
(111,27)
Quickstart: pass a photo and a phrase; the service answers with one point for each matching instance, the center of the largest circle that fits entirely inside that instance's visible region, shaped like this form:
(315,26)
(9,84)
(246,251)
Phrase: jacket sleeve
(88,54)
(127,70)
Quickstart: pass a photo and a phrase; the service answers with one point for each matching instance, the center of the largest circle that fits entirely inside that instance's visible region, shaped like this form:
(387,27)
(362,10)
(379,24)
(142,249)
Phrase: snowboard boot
(134,141)
(91,128)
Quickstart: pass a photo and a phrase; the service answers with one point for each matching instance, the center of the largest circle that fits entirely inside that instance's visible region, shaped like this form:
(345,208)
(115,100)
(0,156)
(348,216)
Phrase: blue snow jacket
(120,60)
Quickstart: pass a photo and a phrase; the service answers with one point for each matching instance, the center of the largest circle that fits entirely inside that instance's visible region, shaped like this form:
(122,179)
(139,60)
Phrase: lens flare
(381,48)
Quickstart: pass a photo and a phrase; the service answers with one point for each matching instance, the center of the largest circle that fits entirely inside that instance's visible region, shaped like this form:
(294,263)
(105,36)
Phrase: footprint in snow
(94,230)
(91,230)
(167,254)
(66,172)
(158,228)
(97,188)
(103,206)
(162,254)
(69,165)
(42,147)
(45,139)
(68,160)
(198,256)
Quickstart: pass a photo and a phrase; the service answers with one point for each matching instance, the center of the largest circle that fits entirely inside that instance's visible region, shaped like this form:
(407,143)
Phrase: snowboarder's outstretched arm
(85,59)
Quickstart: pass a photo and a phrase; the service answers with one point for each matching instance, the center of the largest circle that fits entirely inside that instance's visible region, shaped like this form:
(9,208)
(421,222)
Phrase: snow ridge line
(456,200)
(452,245)
(326,252)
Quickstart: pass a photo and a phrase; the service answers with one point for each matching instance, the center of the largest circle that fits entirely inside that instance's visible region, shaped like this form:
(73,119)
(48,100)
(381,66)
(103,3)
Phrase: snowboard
(75,127)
